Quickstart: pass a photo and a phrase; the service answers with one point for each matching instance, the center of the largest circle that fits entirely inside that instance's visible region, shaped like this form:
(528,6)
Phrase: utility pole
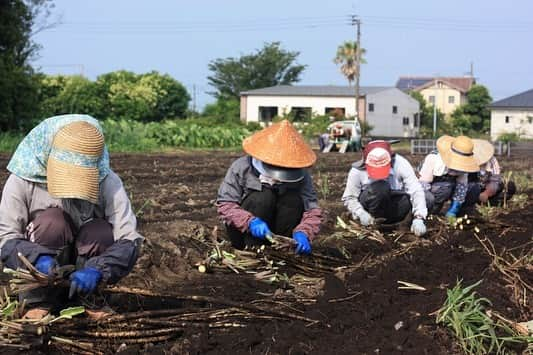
(435,116)
(194,100)
(357,22)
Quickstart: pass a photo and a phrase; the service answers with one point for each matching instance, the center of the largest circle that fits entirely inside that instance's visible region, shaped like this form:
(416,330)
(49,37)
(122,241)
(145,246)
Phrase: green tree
(18,84)
(145,97)
(223,111)
(172,97)
(473,117)
(346,57)
(268,66)
(61,94)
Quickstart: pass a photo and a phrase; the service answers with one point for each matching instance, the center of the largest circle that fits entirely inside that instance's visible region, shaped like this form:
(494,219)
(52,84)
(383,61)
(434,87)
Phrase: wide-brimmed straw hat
(458,153)
(72,168)
(280,145)
(483,150)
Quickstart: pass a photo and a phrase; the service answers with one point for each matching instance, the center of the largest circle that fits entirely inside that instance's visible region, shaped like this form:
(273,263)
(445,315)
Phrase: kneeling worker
(269,190)
(384,186)
(63,205)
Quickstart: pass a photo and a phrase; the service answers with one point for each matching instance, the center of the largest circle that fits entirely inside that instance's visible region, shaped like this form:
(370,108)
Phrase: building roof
(408,83)
(315,90)
(524,99)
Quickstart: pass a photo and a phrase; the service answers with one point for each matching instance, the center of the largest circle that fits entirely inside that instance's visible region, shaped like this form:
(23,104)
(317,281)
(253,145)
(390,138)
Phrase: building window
(267,113)
(417,123)
(507,119)
(337,112)
(370,107)
(451,99)
(394,109)
(301,114)
(432,99)
(406,121)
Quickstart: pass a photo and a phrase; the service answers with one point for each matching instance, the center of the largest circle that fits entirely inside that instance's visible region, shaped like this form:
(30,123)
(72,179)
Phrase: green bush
(508,137)
(129,136)
(148,97)
(9,141)
(316,126)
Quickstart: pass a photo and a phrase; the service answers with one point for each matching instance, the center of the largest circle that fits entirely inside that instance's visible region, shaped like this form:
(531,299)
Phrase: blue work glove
(45,264)
(258,228)
(84,281)
(302,243)
(418,227)
(453,210)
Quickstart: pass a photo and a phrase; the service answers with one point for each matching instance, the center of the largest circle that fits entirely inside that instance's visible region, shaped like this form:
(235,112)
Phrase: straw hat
(458,153)
(280,145)
(483,150)
(72,168)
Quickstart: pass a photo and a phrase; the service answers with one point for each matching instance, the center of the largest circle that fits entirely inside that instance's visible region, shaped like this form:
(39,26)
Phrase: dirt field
(357,309)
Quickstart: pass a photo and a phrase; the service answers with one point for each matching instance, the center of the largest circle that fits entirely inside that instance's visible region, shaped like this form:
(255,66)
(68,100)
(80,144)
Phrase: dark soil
(361,310)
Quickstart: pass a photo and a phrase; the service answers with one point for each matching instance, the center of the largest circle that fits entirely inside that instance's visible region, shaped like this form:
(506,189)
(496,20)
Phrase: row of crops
(136,136)
(132,136)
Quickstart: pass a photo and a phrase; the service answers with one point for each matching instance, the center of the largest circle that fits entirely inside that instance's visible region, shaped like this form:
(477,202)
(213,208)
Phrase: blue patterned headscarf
(31,157)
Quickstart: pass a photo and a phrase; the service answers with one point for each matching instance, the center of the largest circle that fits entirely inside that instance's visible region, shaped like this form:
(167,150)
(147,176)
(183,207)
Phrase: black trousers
(53,230)
(474,189)
(381,202)
(282,210)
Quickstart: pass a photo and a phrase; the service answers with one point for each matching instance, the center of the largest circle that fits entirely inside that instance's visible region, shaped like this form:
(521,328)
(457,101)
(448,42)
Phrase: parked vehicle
(344,136)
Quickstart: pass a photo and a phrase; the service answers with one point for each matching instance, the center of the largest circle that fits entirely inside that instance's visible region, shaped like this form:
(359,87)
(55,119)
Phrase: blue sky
(409,37)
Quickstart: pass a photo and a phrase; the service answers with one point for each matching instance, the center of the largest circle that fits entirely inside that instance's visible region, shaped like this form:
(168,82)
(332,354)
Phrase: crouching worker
(444,175)
(270,191)
(383,186)
(63,205)
(487,186)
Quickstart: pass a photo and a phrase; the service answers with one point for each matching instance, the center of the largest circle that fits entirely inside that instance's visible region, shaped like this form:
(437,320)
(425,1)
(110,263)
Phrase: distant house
(390,111)
(447,92)
(512,115)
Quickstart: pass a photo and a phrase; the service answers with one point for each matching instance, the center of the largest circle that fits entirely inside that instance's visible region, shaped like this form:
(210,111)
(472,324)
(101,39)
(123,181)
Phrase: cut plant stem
(410,286)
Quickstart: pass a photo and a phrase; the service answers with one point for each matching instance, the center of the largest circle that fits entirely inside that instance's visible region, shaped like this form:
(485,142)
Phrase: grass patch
(467,315)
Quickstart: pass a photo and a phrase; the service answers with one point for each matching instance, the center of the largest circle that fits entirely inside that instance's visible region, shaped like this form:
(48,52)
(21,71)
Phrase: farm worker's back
(487,185)
(269,190)
(62,204)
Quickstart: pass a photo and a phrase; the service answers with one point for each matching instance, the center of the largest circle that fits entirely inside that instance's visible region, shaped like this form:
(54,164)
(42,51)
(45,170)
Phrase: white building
(512,115)
(391,112)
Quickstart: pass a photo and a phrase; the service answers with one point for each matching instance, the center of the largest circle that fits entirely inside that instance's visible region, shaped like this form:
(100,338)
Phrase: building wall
(442,95)
(520,122)
(389,124)
(244,102)
(285,103)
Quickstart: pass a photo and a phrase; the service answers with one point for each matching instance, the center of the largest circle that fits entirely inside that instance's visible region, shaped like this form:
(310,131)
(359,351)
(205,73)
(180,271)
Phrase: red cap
(378,163)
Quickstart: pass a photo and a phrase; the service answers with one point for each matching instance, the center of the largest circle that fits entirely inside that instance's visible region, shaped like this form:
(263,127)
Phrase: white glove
(365,218)
(418,227)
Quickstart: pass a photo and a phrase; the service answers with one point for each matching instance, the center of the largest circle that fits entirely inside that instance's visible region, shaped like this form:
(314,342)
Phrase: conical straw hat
(483,150)
(280,145)
(458,153)
(72,168)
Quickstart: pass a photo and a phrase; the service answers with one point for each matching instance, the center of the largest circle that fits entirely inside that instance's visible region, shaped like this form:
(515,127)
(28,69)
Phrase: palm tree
(346,56)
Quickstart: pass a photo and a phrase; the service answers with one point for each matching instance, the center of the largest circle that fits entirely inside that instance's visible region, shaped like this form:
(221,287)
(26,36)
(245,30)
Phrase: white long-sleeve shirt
(402,178)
